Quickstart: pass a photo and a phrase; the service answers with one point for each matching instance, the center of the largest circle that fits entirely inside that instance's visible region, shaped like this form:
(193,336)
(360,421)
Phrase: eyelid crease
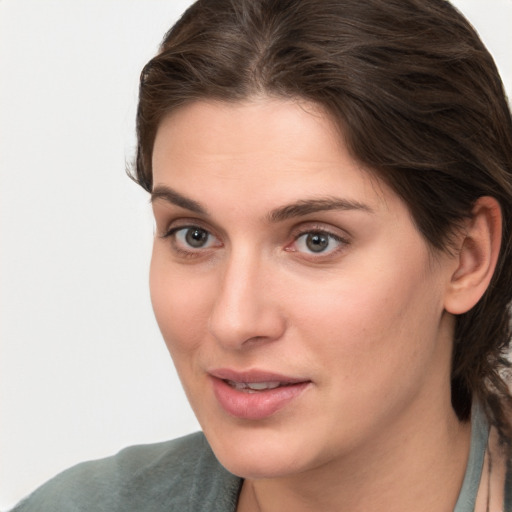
(171,231)
(320,227)
(174,225)
(334,236)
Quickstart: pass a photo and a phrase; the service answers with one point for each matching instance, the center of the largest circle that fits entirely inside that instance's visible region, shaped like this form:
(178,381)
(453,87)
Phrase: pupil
(317,242)
(196,237)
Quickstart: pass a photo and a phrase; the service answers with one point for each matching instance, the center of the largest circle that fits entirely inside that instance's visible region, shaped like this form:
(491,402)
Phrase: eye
(190,238)
(193,237)
(318,242)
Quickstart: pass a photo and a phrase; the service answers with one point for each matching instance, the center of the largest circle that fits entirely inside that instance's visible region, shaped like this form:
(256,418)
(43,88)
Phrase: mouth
(255,395)
(255,387)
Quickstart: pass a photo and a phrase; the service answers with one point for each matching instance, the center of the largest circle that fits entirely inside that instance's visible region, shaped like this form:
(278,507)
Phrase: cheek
(180,303)
(385,312)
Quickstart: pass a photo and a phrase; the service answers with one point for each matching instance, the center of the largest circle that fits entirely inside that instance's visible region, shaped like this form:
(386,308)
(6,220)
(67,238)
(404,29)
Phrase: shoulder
(182,474)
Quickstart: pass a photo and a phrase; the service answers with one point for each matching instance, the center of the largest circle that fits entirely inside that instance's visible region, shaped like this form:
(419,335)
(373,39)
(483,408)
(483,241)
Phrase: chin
(260,466)
(259,453)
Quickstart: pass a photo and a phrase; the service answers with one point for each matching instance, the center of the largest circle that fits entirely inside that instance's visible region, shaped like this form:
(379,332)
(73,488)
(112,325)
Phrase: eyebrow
(307,206)
(173,197)
(298,209)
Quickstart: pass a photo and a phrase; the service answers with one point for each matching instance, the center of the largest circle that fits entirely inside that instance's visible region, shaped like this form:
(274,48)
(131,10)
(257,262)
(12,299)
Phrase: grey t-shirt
(183,475)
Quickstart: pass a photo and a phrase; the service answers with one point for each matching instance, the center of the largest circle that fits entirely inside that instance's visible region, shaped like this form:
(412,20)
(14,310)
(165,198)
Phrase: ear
(476,260)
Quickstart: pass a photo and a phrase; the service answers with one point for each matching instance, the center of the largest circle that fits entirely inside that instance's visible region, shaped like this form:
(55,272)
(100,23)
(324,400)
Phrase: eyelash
(318,231)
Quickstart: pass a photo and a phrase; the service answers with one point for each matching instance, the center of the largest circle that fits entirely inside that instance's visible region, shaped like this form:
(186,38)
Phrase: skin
(366,321)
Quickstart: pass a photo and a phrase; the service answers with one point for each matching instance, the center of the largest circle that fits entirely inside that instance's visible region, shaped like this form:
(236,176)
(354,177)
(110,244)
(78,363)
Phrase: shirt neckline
(479,436)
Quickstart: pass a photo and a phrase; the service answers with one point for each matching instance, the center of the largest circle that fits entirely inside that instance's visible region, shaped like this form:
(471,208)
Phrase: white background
(83,370)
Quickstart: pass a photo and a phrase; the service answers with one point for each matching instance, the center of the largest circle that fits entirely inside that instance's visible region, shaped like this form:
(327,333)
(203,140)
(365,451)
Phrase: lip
(255,405)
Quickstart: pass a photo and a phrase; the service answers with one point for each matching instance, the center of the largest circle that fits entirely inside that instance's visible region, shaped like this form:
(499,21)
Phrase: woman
(332,190)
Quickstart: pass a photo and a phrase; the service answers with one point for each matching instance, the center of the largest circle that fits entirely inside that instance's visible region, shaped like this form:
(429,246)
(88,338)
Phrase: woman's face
(302,308)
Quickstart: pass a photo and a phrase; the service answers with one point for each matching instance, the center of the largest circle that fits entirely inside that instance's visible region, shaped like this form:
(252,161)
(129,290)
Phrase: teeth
(258,386)
(253,386)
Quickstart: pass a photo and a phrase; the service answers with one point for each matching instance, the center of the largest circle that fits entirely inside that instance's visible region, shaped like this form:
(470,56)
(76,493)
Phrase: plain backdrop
(83,369)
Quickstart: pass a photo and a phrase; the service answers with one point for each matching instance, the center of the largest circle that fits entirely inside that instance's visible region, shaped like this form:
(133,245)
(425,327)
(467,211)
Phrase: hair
(418,100)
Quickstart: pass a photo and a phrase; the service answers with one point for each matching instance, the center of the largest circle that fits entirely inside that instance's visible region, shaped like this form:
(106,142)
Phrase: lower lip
(257,405)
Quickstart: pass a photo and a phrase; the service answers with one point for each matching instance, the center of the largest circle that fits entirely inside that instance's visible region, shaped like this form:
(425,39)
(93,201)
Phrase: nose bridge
(244,310)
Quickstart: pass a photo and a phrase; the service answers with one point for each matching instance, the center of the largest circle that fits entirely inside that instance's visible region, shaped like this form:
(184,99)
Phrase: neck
(393,472)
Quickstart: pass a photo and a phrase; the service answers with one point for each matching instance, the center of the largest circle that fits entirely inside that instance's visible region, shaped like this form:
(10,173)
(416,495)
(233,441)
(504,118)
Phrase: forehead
(277,149)
(258,125)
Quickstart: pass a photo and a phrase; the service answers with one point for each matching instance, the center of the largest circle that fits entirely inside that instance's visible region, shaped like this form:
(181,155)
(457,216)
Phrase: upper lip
(254,375)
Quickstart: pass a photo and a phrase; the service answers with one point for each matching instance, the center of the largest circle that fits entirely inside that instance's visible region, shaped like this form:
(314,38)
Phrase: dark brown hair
(418,99)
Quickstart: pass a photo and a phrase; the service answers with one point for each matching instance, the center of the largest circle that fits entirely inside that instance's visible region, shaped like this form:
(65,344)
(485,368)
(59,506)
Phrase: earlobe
(477,257)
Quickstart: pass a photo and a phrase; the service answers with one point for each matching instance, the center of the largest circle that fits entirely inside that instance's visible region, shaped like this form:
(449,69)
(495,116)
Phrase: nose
(247,308)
